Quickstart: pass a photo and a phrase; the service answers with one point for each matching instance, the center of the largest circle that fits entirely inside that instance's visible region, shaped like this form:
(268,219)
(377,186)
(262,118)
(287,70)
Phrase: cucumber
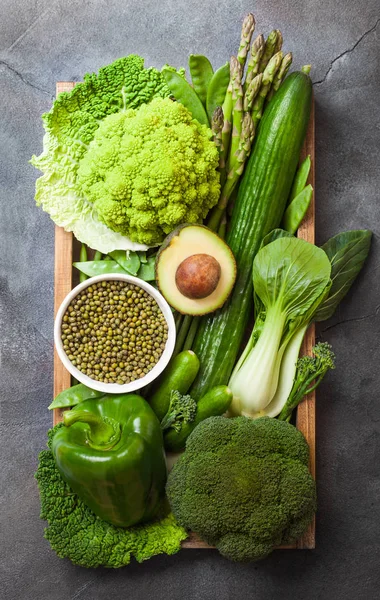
(214,403)
(179,375)
(260,204)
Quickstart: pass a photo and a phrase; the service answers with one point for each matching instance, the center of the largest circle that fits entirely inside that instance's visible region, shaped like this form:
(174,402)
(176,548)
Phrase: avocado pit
(198,276)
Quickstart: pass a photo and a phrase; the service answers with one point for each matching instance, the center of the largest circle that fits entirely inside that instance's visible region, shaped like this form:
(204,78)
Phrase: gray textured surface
(44,41)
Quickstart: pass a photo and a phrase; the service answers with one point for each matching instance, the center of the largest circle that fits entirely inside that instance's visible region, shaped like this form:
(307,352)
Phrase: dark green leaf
(273,235)
(347,252)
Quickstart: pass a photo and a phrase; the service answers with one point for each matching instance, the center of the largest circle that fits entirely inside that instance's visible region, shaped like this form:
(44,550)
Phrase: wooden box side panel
(63,285)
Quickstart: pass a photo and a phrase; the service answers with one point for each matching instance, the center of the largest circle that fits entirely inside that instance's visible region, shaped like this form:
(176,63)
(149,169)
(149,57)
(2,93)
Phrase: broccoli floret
(182,409)
(243,485)
(150,169)
(75,532)
(309,373)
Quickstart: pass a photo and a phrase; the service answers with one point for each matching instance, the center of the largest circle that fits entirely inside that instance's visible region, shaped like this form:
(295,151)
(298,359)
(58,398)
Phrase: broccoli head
(75,532)
(243,485)
(150,169)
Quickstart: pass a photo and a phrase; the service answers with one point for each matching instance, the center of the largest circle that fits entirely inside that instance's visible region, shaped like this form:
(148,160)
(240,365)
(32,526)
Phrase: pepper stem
(104,433)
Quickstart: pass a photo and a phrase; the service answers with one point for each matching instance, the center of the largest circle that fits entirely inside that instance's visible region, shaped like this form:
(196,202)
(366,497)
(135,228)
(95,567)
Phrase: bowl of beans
(114,333)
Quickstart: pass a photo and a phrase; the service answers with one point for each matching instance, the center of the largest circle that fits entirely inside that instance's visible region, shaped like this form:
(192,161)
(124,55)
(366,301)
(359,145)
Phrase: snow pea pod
(147,270)
(201,73)
(74,395)
(129,261)
(217,89)
(300,179)
(297,209)
(99,267)
(83,258)
(184,93)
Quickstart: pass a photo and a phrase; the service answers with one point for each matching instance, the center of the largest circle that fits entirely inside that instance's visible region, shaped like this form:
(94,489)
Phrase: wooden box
(67,250)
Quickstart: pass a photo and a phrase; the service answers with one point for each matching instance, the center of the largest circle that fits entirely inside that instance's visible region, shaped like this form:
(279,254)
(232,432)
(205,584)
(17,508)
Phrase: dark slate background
(42,41)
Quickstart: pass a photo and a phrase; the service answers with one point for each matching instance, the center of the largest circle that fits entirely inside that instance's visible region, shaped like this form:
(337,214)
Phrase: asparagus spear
(279,42)
(235,170)
(247,30)
(251,92)
(216,128)
(268,76)
(257,50)
(227,112)
(280,75)
(269,51)
(237,111)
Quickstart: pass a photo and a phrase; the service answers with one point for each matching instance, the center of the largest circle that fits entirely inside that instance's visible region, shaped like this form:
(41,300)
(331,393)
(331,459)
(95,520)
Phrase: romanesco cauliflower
(148,170)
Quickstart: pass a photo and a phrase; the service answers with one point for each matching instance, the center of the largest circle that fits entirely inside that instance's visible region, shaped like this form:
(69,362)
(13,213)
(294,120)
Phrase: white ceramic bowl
(115,388)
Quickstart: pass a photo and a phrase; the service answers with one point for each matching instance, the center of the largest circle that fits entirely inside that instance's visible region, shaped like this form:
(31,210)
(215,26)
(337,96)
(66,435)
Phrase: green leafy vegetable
(291,278)
(347,253)
(75,532)
(70,127)
(243,485)
(182,410)
(309,374)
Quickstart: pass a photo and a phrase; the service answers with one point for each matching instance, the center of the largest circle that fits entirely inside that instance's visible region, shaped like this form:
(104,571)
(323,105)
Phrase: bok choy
(291,278)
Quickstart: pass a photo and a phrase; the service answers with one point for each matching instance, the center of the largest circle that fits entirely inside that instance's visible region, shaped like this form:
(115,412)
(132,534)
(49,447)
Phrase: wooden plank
(63,253)
(305,411)
(62,286)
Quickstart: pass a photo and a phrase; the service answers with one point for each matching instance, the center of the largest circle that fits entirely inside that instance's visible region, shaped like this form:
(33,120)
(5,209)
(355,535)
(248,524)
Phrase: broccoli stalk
(182,409)
(309,374)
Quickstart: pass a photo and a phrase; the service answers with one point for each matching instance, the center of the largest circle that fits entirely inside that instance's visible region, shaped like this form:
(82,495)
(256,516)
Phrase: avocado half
(195,270)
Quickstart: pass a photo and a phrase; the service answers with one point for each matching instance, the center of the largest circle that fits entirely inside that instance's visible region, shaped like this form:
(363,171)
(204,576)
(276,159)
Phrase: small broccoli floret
(243,485)
(75,532)
(309,374)
(148,170)
(182,409)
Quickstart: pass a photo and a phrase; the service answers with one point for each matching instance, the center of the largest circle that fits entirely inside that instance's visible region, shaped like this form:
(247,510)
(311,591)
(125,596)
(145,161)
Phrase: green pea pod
(215,403)
(99,267)
(147,270)
(201,73)
(74,395)
(129,261)
(83,258)
(142,256)
(98,255)
(300,179)
(184,93)
(297,209)
(217,89)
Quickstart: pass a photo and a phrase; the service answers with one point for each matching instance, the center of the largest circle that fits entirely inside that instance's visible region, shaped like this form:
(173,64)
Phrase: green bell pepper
(111,454)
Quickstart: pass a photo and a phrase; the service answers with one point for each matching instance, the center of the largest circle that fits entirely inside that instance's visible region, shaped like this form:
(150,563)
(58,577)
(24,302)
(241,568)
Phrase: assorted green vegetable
(76,533)
(131,155)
